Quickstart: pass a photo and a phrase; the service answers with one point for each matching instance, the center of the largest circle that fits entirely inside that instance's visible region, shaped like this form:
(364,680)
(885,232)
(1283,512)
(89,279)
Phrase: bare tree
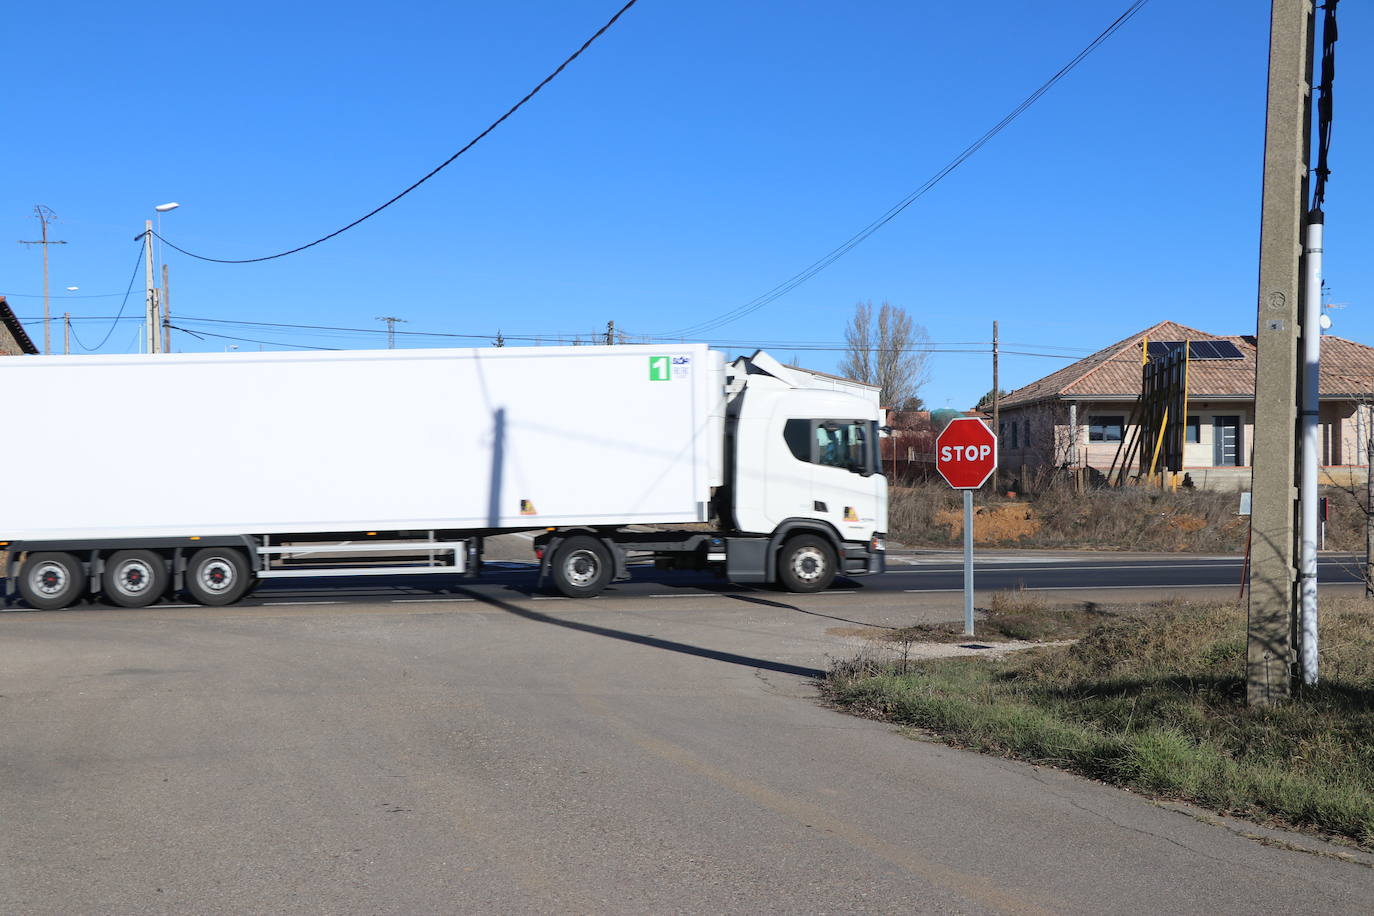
(892,352)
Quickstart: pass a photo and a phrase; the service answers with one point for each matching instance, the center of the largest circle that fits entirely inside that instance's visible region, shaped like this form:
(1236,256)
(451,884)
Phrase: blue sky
(695,157)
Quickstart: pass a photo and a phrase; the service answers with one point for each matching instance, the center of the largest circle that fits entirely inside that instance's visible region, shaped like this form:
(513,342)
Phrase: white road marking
(988,567)
(1078,588)
(295,603)
(686,595)
(429,600)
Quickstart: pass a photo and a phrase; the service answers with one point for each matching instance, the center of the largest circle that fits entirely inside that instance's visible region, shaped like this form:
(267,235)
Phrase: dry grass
(1157,702)
(1197,521)
(1010,615)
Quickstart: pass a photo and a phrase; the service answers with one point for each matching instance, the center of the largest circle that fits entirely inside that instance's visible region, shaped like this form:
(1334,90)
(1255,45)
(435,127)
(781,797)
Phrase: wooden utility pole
(66,333)
(1273,570)
(45,216)
(996,395)
(166,312)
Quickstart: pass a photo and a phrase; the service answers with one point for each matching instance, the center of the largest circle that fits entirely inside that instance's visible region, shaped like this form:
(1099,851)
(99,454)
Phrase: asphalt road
(491,750)
(920,578)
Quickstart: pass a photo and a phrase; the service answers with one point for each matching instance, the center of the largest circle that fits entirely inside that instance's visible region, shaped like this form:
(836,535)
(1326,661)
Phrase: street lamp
(158,332)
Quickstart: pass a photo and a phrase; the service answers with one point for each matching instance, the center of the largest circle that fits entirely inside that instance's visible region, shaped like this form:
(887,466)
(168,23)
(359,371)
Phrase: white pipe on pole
(1311,431)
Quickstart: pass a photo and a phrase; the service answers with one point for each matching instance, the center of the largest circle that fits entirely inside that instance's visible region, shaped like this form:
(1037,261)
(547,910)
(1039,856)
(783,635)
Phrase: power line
(138,262)
(862,235)
(470,144)
(83,296)
(269,343)
(973,346)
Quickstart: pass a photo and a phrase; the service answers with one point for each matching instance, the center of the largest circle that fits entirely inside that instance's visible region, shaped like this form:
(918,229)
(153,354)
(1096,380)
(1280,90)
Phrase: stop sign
(966,453)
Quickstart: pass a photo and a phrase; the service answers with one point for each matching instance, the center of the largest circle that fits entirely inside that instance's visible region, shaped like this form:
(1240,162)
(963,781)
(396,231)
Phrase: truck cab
(804,460)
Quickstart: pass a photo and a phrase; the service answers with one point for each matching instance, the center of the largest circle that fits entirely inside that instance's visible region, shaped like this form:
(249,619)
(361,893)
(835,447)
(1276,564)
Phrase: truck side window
(798,436)
(832,451)
(845,444)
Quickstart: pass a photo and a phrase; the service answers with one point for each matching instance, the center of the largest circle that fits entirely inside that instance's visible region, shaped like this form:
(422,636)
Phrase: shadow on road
(651,641)
(800,610)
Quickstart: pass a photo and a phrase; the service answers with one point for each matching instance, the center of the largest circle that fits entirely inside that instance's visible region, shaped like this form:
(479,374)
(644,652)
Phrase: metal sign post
(966,456)
(968,562)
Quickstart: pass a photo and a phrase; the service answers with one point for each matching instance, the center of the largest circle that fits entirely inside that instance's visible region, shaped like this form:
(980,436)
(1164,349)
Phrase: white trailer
(206,473)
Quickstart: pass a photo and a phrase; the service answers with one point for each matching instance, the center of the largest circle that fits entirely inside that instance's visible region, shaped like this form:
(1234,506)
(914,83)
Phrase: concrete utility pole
(66,333)
(1286,141)
(153,337)
(391,330)
(610,333)
(45,216)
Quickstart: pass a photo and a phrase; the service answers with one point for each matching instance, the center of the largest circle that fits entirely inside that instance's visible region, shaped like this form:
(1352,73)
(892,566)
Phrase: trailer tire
(216,576)
(134,578)
(52,581)
(582,567)
(806,563)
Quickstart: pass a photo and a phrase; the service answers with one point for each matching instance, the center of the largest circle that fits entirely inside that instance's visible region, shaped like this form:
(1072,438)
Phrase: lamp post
(67,327)
(153,312)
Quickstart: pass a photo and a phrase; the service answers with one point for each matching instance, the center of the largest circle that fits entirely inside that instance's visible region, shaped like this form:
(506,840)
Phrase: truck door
(835,477)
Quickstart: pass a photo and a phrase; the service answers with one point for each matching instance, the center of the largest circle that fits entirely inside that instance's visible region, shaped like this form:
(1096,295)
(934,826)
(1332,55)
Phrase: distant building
(14,340)
(1080,416)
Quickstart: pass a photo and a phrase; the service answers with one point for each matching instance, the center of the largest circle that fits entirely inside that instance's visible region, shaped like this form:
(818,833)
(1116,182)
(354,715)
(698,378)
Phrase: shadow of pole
(652,642)
(792,607)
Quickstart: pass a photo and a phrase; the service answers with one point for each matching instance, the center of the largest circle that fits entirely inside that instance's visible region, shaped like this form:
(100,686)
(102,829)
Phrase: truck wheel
(52,581)
(806,563)
(581,567)
(216,576)
(134,578)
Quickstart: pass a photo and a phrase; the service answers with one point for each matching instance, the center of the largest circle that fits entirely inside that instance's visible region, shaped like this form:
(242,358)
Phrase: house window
(1106,428)
(1192,432)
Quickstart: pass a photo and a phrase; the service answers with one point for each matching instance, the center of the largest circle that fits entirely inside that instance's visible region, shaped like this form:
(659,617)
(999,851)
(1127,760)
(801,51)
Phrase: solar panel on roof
(1213,349)
(1197,349)
(1158,348)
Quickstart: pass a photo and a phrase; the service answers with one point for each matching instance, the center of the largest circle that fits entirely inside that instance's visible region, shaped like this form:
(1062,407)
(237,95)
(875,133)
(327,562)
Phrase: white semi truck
(206,473)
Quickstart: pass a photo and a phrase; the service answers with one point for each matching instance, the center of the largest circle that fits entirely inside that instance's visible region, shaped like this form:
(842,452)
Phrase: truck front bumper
(860,559)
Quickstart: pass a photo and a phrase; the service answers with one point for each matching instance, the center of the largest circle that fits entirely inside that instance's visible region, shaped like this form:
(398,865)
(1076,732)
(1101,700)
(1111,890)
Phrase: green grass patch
(1157,702)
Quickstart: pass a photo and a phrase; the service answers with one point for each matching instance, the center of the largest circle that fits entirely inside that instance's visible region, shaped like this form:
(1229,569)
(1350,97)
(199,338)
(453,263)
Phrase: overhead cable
(1328,76)
(269,343)
(436,170)
(863,234)
(138,262)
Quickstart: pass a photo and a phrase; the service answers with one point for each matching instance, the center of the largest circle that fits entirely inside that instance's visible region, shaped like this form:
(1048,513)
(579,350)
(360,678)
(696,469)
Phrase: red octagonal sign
(966,453)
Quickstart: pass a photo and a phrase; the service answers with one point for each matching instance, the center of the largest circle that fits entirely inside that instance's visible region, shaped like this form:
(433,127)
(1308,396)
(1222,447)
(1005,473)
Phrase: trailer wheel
(134,578)
(216,576)
(806,563)
(52,581)
(582,567)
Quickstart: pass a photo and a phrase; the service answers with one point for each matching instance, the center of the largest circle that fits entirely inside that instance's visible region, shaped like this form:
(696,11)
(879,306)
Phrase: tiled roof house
(1079,416)
(14,340)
